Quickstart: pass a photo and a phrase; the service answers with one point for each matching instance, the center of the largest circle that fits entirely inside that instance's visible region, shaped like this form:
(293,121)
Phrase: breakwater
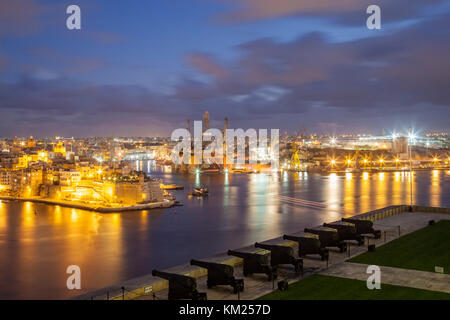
(99,209)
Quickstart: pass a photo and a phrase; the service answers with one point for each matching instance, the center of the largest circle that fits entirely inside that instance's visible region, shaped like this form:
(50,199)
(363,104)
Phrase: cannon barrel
(264,246)
(292,238)
(202,264)
(366,223)
(240,254)
(315,231)
(213,266)
(339,225)
(172,276)
(275,248)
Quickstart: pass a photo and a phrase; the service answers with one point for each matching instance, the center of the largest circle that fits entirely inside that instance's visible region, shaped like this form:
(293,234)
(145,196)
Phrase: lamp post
(410,166)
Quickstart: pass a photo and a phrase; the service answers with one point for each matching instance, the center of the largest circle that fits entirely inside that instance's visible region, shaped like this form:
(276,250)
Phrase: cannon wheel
(202,297)
(272,276)
(237,288)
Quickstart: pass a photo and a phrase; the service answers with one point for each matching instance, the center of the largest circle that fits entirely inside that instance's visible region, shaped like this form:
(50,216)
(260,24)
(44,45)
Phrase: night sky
(140,67)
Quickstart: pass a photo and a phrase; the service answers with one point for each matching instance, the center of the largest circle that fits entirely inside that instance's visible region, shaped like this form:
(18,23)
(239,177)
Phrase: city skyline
(263,66)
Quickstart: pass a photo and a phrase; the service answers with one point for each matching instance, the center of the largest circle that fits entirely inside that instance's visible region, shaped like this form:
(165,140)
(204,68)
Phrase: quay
(393,221)
(68,204)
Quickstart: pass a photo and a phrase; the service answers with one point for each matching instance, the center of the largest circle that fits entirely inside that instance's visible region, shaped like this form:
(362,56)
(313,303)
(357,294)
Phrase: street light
(412,137)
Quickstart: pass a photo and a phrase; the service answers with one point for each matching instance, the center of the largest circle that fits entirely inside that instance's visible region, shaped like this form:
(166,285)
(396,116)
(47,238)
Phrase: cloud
(206,64)
(365,84)
(343,11)
(20,17)
(390,75)
(80,108)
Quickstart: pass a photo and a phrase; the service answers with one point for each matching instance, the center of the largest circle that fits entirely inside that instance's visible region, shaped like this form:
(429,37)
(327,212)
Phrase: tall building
(206,121)
(400,145)
(188,125)
(225,126)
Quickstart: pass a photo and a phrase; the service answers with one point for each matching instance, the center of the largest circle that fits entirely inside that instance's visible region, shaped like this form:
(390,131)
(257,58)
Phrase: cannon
(346,231)
(282,255)
(255,263)
(364,227)
(181,286)
(308,244)
(220,274)
(328,237)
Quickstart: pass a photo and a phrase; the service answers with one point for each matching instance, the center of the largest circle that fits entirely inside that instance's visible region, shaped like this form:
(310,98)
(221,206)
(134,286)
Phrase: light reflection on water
(38,242)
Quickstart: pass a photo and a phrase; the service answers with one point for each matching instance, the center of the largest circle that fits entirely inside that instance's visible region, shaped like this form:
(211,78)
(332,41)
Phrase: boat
(242,170)
(200,192)
(177,204)
(172,187)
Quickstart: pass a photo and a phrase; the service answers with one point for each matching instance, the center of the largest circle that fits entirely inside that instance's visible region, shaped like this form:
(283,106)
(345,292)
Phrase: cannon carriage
(364,227)
(255,263)
(181,286)
(308,244)
(220,274)
(346,231)
(282,255)
(328,237)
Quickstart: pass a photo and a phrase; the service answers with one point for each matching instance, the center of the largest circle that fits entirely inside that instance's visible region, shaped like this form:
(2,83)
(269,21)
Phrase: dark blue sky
(142,67)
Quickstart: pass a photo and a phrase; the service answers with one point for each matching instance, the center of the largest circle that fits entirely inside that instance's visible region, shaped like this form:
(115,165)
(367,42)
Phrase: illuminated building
(31,143)
(400,145)
(59,148)
(206,121)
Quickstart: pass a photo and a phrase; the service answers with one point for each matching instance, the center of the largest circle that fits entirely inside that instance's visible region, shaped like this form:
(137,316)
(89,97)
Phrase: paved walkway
(395,276)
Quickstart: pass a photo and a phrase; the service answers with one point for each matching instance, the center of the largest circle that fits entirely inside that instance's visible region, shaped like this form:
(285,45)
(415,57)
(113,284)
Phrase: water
(36,249)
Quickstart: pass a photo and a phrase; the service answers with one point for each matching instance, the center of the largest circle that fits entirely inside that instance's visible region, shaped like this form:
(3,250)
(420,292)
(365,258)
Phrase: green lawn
(320,287)
(421,250)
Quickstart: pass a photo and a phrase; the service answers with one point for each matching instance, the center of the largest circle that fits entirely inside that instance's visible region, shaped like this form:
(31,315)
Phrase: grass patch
(321,287)
(420,250)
